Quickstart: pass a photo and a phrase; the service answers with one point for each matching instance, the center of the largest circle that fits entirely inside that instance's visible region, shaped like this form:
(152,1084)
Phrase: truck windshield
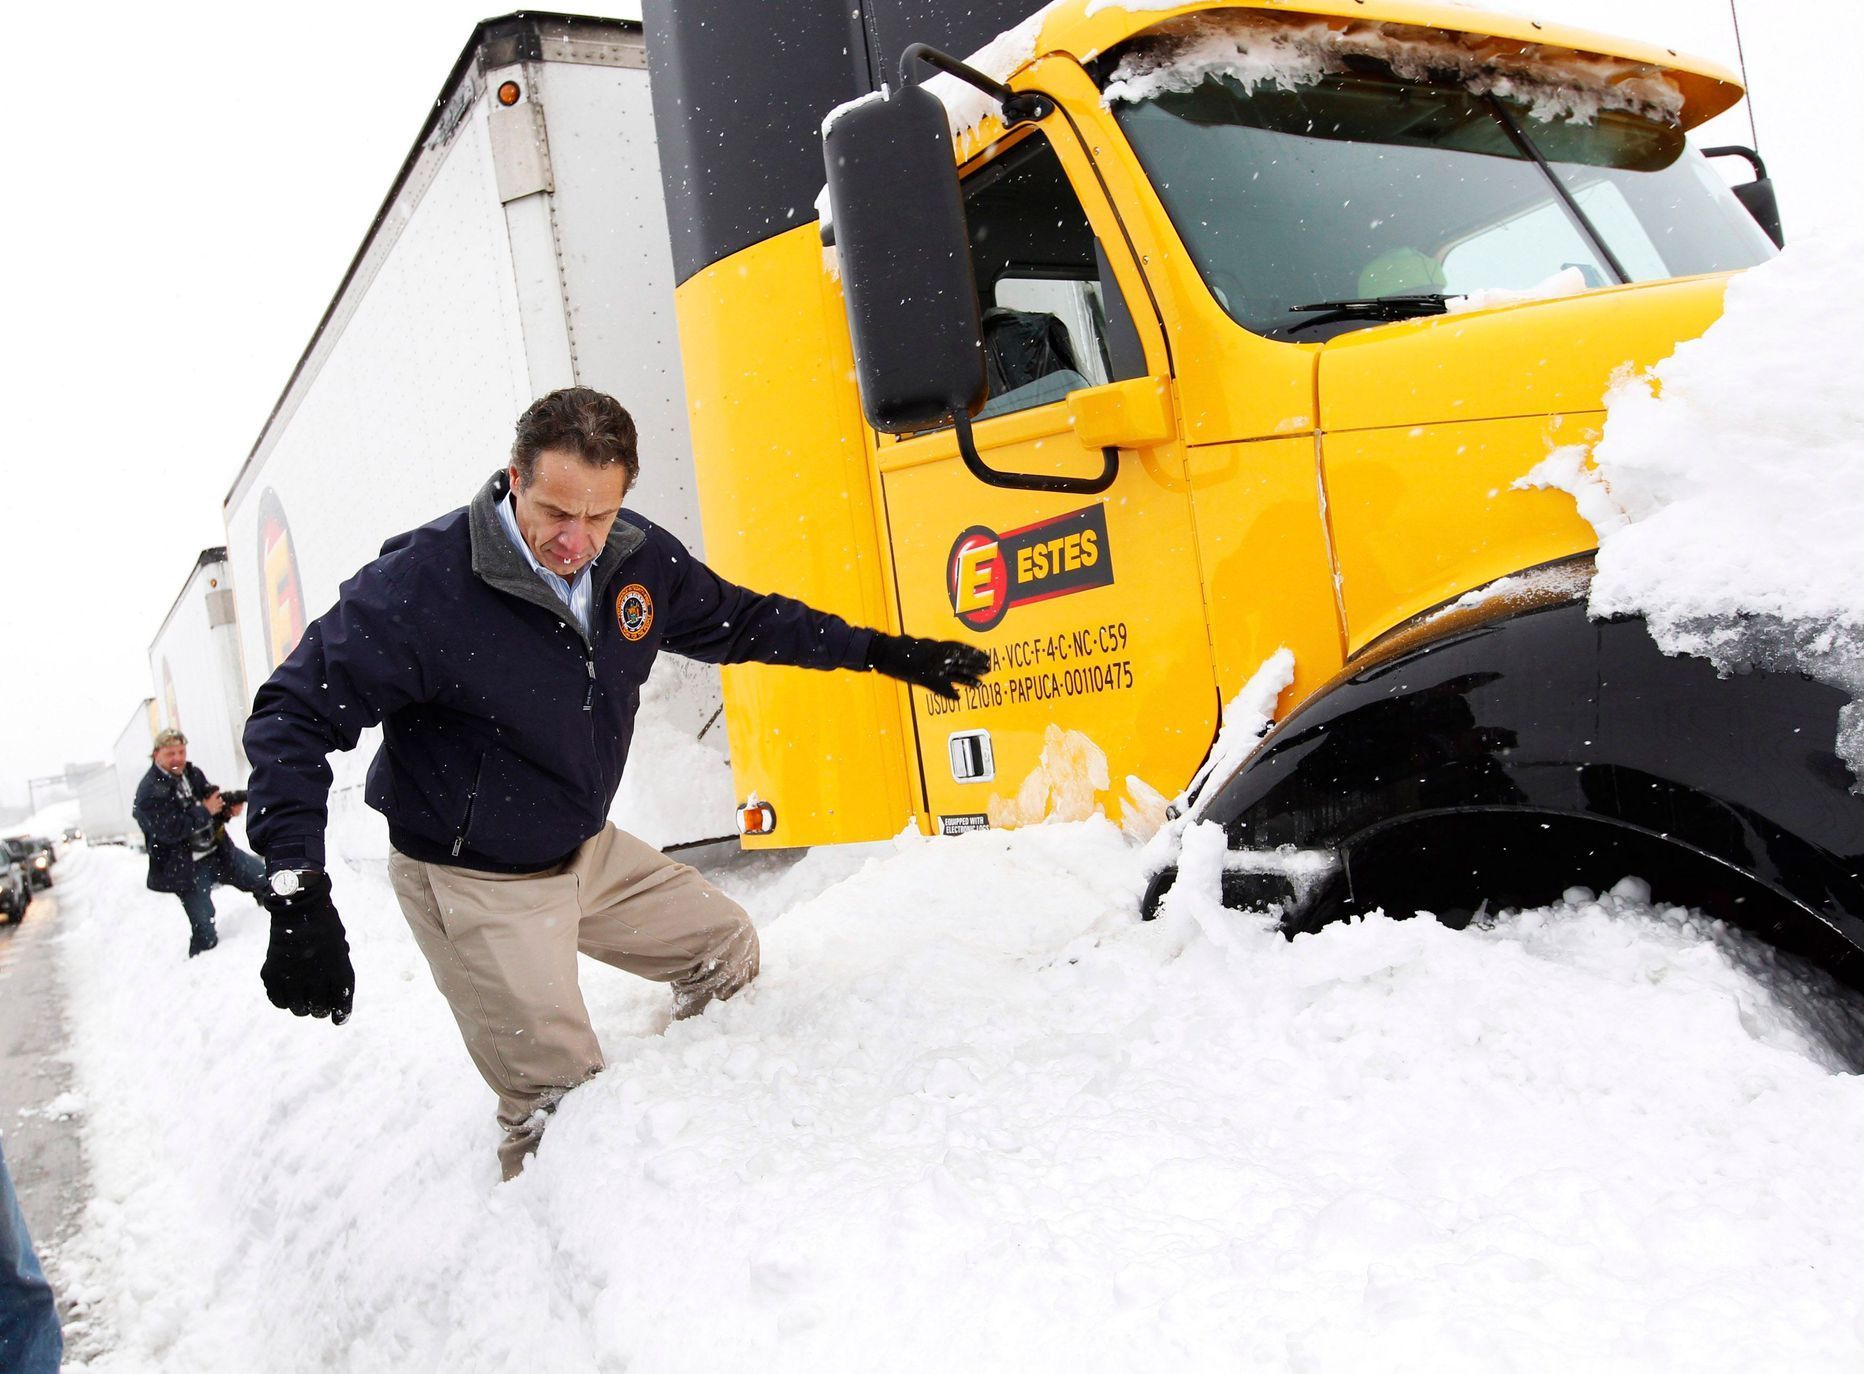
(1364,185)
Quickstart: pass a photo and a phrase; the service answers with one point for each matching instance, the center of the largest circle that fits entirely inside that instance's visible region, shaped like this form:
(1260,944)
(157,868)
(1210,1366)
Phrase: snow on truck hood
(1728,489)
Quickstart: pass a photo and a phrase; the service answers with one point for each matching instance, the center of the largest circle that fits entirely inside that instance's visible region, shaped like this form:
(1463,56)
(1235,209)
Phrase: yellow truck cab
(1156,340)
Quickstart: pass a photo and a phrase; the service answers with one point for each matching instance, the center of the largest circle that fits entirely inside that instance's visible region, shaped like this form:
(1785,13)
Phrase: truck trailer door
(1089,604)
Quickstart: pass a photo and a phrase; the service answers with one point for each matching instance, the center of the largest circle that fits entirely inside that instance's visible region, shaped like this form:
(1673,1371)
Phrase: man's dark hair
(581,421)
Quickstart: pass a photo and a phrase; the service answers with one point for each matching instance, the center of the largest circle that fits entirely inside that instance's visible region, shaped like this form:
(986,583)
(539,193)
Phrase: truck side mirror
(1761,203)
(905,261)
(1757,195)
(906,276)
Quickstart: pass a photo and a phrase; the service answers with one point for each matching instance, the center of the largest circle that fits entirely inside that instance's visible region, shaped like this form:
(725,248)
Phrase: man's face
(172,758)
(567,509)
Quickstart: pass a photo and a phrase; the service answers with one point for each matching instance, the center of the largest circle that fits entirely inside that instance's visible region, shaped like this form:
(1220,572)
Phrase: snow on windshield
(1728,493)
(1568,281)
(1555,83)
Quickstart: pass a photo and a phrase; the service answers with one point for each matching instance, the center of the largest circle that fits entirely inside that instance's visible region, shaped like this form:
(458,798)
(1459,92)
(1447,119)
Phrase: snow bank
(1555,83)
(976,1115)
(49,821)
(1728,493)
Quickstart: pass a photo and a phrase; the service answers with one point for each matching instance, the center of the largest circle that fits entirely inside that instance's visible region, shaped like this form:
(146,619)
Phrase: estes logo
(986,573)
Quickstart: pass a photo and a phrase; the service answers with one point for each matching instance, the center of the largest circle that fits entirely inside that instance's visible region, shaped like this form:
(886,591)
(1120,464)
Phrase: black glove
(307,966)
(934,664)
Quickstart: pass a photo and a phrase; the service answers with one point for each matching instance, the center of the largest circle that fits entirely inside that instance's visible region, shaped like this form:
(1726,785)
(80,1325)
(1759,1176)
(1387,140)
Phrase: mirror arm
(1028,481)
(1736,150)
(1017,106)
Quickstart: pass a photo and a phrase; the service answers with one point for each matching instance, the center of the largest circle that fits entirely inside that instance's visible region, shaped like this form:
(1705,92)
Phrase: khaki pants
(503,952)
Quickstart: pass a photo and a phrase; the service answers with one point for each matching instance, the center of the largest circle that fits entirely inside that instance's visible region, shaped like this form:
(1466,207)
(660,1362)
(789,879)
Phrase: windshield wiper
(1373,307)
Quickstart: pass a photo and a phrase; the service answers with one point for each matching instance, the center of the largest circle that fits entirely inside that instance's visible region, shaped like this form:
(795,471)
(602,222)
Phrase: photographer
(183,819)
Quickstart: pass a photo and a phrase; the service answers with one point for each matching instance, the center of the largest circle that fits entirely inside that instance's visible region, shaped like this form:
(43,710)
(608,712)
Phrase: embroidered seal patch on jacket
(634,611)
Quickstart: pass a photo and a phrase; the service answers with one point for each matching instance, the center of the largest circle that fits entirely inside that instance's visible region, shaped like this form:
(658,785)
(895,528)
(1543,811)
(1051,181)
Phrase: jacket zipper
(459,840)
(594,752)
(526,589)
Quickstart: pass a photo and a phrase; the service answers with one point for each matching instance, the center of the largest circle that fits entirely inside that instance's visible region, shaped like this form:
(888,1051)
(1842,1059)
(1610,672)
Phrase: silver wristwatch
(287,882)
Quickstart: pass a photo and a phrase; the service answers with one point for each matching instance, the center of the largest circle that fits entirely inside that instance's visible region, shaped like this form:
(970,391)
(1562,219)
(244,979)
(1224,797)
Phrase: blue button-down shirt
(574,594)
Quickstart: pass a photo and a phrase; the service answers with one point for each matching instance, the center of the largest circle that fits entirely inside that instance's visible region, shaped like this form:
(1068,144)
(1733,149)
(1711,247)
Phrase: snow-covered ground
(975,1114)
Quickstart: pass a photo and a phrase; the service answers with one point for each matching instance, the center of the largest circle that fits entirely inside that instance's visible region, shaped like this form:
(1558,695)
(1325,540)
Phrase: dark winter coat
(169,822)
(504,727)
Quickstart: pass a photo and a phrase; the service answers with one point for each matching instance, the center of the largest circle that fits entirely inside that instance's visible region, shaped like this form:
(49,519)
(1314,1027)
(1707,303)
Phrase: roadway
(43,1152)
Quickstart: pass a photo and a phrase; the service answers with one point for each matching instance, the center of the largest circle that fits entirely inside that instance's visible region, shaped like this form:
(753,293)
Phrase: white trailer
(107,791)
(523,247)
(194,662)
(101,815)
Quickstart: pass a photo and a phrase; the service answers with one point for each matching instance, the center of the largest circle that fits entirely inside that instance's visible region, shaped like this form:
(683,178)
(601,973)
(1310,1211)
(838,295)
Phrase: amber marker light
(756,818)
(508,93)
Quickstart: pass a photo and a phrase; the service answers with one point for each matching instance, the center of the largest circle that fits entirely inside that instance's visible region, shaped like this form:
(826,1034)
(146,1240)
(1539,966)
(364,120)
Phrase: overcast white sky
(193,185)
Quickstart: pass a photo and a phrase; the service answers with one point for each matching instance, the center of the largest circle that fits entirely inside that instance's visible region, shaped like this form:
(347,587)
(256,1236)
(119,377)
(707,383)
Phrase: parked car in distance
(33,855)
(15,888)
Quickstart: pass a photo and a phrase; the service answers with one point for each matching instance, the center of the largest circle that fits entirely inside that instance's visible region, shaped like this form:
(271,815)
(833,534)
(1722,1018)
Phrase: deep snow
(976,1114)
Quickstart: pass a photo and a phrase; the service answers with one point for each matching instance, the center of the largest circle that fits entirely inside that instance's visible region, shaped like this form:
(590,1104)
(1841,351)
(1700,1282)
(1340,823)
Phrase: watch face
(285,882)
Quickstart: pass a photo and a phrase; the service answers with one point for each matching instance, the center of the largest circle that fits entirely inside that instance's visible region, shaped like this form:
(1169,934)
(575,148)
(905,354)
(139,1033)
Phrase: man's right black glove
(934,664)
(307,966)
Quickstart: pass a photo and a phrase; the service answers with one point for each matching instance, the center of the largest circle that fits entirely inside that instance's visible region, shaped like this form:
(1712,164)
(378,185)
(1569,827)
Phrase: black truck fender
(1496,754)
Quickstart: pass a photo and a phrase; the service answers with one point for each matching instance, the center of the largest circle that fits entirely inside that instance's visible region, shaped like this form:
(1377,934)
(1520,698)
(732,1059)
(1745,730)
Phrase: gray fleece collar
(498,565)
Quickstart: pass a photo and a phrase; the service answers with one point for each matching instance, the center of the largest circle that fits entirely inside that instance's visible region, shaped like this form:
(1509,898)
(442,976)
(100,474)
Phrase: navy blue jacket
(169,823)
(504,728)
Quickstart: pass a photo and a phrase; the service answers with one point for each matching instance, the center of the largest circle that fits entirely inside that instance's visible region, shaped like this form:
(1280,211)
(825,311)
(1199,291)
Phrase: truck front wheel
(1459,865)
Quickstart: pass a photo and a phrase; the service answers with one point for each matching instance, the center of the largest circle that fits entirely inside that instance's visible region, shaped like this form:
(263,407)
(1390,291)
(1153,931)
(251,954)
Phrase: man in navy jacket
(502,648)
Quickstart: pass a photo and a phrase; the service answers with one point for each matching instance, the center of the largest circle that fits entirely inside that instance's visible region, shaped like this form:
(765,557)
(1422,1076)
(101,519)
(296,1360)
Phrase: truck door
(1089,603)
